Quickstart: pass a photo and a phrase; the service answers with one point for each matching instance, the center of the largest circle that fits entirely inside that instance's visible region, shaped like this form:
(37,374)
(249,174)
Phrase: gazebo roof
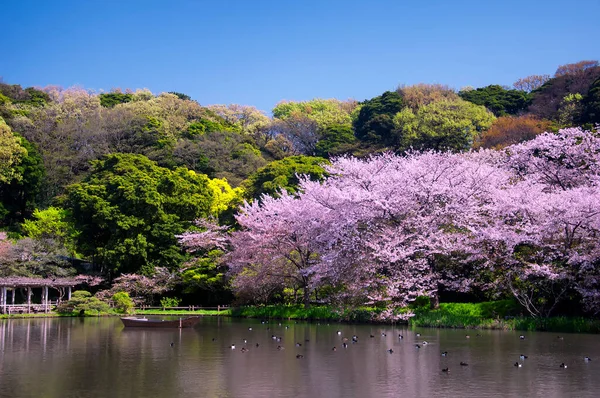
(21,281)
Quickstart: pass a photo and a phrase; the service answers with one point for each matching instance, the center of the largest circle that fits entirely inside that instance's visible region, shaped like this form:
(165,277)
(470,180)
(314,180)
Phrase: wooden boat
(133,322)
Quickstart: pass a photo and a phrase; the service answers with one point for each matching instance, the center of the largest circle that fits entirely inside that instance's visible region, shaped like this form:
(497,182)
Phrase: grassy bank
(498,315)
(361,314)
(37,315)
(225,312)
(503,315)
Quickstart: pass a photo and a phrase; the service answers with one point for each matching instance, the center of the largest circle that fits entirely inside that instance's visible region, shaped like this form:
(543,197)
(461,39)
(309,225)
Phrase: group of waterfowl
(354,340)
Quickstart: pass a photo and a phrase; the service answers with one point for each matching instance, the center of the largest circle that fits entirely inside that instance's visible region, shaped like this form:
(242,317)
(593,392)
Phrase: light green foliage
(129,210)
(4,100)
(570,110)
(53,224)
(11,154)
(168,302)
(122,302)
(84,303)
(442,125)
(283,174)
(246,119)
(325,112)
(223,196)
(19,197)
(204,273)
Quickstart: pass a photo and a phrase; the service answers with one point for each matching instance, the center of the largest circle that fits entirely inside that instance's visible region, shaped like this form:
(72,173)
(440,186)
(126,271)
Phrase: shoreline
(447,316)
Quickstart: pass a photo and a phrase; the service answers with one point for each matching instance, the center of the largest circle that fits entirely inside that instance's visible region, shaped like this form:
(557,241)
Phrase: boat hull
(132,322)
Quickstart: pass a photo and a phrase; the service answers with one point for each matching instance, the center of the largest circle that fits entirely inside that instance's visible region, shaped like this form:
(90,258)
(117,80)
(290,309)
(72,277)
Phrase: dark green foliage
(18,198)
(548,99)
(499,100)
(108,100)
(181,96)
(375,120)
(16,94)
(283,174)
(335,140)
(129,211)
(37,97)
(591,104)
(360,314)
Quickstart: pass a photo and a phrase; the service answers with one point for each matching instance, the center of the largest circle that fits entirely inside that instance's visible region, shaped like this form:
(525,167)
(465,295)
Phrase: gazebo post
(45,298)
(28,299)
(69,293)
(14,291)
(4,290)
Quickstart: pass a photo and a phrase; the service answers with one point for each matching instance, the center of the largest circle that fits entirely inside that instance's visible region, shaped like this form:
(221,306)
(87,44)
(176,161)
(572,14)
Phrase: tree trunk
(435,299)
(306,297)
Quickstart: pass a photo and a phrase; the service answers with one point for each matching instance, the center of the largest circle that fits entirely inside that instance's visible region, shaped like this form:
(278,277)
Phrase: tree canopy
(499,100)
(283,174)
(442,125)
(374,122)
(128,211)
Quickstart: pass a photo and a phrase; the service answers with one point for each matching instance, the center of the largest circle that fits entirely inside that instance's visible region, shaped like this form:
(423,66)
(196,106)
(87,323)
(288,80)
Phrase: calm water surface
(99,358)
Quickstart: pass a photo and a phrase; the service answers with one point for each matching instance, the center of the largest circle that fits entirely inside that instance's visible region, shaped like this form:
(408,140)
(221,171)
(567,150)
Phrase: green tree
(591,104)
(20,196)
(109,100)
(83,302)
(224,196)
(54,224)
(500,101)
(283,174)
(181,96)
(11,154)
(335,140)
(325,112)
(129,210)
(205,273)
(375,123)
(443,125)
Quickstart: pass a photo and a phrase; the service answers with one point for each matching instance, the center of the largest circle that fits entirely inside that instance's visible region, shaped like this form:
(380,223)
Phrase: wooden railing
(27,308)
(186,308)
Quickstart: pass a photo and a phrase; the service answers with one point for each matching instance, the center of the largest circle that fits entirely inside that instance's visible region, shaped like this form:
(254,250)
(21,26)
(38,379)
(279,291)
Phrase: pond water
(91,357)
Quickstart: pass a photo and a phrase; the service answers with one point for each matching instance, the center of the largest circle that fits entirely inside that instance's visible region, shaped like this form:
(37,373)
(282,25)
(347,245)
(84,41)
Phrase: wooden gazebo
(13,283)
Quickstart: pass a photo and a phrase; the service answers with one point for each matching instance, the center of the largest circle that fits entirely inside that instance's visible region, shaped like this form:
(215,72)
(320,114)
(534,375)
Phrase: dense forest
(378,202)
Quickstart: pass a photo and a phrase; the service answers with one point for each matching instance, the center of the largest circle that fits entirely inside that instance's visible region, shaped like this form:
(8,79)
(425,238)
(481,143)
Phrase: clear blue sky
(260,52)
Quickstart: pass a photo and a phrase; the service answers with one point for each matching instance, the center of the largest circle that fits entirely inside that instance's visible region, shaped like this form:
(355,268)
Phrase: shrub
(123,303)
(169,302)
(83,302)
